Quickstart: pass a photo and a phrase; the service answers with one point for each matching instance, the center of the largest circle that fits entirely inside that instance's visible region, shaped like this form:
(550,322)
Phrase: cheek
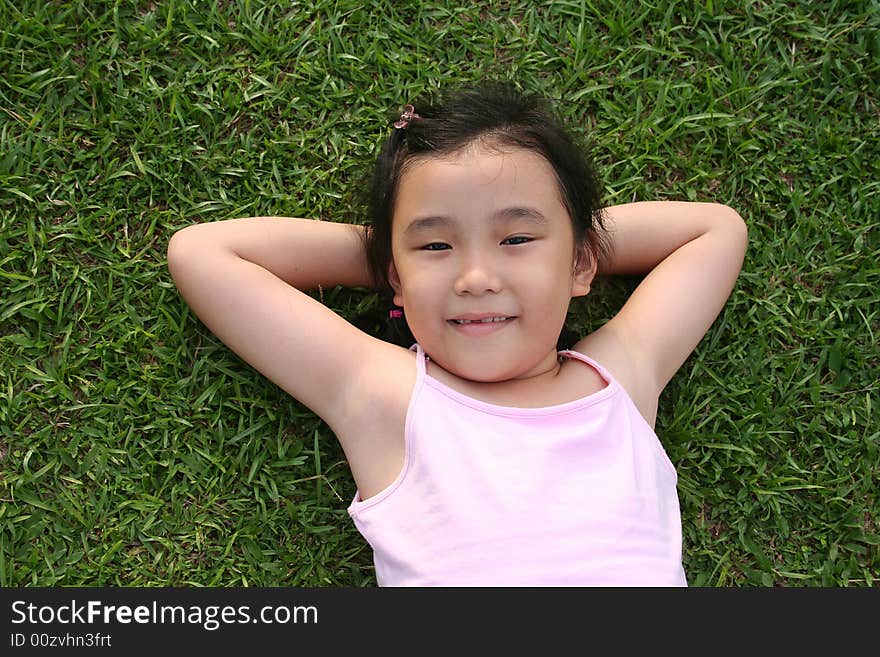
(421,286)
(547,287)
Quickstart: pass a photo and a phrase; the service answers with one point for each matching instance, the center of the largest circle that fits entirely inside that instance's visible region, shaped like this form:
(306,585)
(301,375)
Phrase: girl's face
(484,234)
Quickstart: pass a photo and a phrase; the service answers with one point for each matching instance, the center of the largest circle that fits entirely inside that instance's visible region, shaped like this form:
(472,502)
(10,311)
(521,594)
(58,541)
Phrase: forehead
(478,182)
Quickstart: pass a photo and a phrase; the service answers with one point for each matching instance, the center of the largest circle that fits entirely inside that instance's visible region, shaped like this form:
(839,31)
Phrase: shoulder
(607,347)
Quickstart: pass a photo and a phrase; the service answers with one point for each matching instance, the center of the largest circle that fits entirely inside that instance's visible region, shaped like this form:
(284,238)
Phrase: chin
(480,373)
(482,377)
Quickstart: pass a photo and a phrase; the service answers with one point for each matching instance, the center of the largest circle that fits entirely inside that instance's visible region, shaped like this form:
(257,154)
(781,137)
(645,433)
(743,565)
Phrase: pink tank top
(576,494)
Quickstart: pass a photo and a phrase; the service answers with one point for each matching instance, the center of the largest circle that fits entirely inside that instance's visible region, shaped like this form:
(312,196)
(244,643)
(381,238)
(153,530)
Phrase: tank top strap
(604,373)
(420,361)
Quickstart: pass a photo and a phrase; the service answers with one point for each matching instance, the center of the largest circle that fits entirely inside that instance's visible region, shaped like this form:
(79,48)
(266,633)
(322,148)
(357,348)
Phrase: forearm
(304,253)
(644,234)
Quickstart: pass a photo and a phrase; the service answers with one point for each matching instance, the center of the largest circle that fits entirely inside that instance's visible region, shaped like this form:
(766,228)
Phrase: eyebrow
(530,215)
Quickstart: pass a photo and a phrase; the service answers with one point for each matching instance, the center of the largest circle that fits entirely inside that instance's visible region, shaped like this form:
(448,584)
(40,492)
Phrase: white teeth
(488,320)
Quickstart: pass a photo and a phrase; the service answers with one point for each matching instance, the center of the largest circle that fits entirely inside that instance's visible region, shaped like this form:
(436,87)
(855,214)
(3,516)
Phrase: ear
(585,268)
(394,282)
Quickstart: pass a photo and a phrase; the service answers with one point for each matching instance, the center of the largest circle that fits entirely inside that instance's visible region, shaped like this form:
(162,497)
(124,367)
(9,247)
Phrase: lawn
(137,450)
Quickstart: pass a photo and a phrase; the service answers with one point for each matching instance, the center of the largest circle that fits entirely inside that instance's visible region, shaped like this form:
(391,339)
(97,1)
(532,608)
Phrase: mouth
(476,327)
(485,320)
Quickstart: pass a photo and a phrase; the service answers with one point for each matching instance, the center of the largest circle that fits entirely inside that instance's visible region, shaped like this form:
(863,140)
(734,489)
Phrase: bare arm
(304,253)
(240,278)
(693,253)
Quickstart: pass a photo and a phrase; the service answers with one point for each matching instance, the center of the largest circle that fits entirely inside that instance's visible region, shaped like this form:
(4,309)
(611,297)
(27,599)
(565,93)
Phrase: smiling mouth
(487,320)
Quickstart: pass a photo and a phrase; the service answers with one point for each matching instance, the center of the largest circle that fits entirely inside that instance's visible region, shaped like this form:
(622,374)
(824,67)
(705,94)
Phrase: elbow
(173,247)
(175,251)
(734,224)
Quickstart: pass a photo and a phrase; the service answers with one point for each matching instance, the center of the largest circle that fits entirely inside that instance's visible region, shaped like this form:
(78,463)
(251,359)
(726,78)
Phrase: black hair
(498,115)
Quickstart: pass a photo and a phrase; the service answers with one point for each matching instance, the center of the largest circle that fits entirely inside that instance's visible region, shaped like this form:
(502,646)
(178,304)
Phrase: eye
(435,246)
(518,239)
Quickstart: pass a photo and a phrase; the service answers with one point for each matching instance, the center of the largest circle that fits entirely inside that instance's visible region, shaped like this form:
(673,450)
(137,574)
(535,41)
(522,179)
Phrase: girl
(482,454)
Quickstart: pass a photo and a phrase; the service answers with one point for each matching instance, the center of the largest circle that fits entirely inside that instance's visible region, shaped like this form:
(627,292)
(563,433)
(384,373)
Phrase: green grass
(136,449)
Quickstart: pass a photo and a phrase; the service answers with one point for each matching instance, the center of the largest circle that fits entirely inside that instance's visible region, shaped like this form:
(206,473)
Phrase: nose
(477,276)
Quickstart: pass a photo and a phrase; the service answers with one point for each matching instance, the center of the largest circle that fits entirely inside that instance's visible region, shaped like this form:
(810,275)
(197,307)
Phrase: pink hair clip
(409,113)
